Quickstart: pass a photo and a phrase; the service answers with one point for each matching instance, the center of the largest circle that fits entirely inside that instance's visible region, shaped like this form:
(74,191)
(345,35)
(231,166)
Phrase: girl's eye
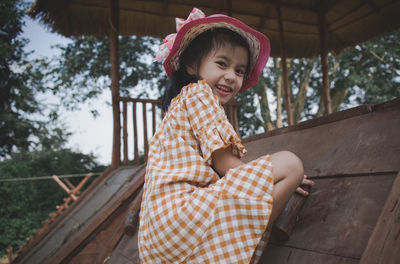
(240,72)
(221,63)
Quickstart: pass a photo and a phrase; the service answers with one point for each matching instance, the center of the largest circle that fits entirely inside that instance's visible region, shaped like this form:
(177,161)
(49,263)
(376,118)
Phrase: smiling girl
(201,203)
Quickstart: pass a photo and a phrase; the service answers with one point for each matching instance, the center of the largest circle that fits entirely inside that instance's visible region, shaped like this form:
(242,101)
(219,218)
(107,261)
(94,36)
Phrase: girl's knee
(290,164)
(295,163)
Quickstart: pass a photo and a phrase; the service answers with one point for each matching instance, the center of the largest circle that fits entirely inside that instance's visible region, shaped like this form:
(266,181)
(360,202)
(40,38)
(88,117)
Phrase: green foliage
(366,73)
(21,121)
(373,68)
(26,204)
(15,97)
(82,71)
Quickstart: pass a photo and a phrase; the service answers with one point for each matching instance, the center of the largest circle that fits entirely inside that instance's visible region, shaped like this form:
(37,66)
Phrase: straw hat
(197,23)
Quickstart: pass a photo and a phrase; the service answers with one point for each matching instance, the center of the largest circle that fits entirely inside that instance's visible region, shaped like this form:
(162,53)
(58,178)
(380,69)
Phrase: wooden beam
(324,63)
(384,243)
(285,77)
(65,188)
(132,219)
(114,29)
(229,3)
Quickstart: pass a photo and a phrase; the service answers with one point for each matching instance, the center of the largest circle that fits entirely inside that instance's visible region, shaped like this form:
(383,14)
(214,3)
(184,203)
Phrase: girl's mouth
(223,89)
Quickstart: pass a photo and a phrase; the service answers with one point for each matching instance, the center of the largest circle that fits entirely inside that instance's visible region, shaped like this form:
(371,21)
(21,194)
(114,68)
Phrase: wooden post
(125,132)
(285,77)
(153,111)
(284,224)
(145,142)
(114,28)
(384,242)
(324,63)
(9,255)
(135,136)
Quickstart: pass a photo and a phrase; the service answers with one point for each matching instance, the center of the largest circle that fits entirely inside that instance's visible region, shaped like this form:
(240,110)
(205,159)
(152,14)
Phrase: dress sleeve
(209,123)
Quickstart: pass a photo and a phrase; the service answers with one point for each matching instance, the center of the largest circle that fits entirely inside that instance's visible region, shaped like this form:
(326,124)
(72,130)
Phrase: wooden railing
(135,126)
(130,118)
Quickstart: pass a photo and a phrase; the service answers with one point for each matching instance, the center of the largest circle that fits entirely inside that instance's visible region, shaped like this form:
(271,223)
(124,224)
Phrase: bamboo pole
(324,63)
(114,28)
(284,68)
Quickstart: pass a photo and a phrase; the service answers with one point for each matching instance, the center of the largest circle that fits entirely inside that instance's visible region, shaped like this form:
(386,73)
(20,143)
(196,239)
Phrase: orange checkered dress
(189,214)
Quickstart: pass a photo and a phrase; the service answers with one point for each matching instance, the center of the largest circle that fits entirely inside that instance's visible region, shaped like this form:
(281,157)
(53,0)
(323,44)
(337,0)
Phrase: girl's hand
(307,182)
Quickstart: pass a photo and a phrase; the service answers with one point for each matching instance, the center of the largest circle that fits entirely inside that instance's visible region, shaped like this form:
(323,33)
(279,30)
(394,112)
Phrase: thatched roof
(348,22)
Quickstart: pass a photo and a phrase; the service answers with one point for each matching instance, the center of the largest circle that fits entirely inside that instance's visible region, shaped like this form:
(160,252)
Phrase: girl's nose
(230,75)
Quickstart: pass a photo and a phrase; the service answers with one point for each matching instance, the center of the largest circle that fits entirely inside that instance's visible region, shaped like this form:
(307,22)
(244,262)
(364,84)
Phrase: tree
(26,204)
(81,72)
(366,73)
(20,82)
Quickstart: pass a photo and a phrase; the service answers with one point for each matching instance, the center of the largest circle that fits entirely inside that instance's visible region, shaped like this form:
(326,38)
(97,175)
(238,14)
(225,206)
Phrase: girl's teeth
(223,89)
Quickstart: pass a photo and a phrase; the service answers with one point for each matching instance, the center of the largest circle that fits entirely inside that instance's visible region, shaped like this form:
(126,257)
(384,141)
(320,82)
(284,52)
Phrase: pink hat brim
(225,22)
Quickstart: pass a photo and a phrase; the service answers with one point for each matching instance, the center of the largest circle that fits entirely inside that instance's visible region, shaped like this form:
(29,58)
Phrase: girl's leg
(288,174)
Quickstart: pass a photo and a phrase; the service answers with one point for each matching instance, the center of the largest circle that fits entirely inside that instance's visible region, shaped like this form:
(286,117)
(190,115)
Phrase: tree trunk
(265,112)
(299,102)
(338,98)
(278,95)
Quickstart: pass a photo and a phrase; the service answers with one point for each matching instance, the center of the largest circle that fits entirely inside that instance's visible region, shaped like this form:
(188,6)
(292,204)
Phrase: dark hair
(193,55)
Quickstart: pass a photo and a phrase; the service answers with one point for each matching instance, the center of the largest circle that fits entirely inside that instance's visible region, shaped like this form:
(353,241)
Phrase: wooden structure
(296,28)
(353,155)
(132,119)
(350,217)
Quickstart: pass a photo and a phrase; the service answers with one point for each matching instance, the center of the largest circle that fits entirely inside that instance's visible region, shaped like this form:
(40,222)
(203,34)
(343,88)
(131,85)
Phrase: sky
(90,135)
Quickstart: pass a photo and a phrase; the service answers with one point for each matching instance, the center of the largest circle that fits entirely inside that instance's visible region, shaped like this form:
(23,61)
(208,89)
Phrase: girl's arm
(223,160)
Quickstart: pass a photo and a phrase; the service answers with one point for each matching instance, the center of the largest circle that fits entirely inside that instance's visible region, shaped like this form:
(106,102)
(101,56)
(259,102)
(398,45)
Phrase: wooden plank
(98,219)
(384,243)
(132,219)
(335,117)
(274,254)
(114,232)
(362,144)
(40,236)
(126,249)
(339,215)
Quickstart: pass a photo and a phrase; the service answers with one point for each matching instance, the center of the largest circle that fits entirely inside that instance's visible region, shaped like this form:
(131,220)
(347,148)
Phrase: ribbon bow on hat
(166,47)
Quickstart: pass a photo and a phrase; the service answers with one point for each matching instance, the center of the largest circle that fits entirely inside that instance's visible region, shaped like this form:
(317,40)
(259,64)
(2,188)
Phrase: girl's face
(224,70)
